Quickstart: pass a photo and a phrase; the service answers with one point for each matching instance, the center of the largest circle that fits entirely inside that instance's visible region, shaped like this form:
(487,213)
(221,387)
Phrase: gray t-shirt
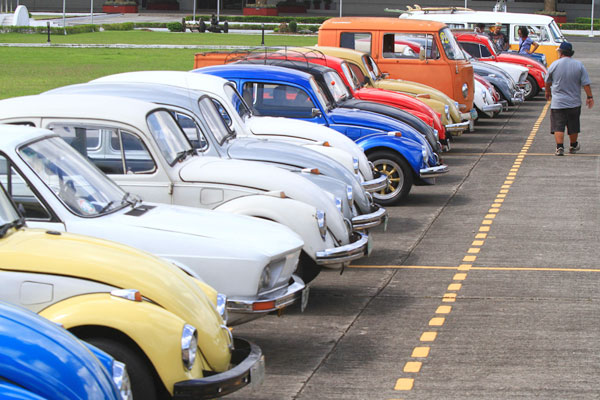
(567,77)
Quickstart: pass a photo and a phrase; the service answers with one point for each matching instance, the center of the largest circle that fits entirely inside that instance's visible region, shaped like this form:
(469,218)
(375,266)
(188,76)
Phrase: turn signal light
(267,305)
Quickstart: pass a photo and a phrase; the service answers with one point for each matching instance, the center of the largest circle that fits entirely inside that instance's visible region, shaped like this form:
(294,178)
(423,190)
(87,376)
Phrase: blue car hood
(298,157)
(354,117)
(43,358)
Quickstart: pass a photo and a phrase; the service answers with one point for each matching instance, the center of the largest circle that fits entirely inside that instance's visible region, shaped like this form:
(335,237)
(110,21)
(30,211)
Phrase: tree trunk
(549,5)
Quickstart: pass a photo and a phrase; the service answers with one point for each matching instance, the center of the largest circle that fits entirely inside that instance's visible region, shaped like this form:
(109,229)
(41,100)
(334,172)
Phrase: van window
(536,33)
(450,45)
(409,45)
(356,41)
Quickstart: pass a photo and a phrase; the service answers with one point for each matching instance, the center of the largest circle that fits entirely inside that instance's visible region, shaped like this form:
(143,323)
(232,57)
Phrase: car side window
(20,191)
(472,49)
(409,46)
(192,131)
(112,150)
(280,100)
(356,41)
(223,112)
(485,52)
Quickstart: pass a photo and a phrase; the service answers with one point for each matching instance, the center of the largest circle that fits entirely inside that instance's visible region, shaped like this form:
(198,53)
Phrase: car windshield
(325,104)
(350,76)
(73,179)
(214,120)
(451,47)
(238,102)
(169,137)
(556,32)
(371,66)
(336,86)
(8,213)
(495,49)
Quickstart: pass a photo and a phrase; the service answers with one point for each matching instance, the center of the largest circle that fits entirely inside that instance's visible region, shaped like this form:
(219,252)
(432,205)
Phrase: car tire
(307,268)
(142,379)
(531,88)
(399,172)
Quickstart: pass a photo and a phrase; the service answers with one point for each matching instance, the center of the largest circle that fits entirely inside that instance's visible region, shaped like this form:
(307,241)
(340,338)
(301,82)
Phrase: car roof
(77,106)
(382,24)
(253,71)
(486,17)
(12,136)
(186,79)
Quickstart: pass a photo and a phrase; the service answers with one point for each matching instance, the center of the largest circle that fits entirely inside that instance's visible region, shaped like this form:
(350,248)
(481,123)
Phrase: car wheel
(140,373)
(399,173)
(531,88)
(307,268)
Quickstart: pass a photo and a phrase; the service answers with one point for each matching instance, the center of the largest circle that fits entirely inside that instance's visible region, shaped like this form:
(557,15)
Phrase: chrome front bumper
(432,172)
(458,127)
(504,104)
(375,185)
(248,368)
(519,98)
(492,108)
(271,301)
(366,221)
(357,248)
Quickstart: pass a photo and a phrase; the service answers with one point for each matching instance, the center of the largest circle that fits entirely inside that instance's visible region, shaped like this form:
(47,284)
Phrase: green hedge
(578,27)
(125,26)
(586,20)
(71,30)
(262,18)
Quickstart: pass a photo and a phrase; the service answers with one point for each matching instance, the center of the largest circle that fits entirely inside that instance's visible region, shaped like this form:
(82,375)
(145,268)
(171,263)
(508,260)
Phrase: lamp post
(592,23)
(92,11)
(64,18)
(218,10)
(341,5)
(194,11)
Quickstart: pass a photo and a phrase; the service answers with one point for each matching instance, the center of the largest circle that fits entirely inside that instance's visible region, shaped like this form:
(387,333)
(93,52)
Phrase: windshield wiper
(106,207)
(18,223)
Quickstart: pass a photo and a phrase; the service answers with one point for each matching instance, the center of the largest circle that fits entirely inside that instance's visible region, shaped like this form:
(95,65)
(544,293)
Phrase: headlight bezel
(265,279)
(120,377)
(321,218)
(355,165)
(189,346)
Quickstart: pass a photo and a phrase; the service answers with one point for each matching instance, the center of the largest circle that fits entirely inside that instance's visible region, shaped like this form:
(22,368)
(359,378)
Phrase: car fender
(156,331)
(298,216)
(407,148)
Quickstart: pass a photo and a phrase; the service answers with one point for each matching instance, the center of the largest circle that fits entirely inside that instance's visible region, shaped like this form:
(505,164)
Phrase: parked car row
(164,207)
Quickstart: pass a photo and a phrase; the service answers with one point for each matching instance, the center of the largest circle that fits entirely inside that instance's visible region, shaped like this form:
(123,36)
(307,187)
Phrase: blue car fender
(409,149)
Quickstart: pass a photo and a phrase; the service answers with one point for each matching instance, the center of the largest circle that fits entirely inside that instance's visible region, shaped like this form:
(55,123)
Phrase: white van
(542,28)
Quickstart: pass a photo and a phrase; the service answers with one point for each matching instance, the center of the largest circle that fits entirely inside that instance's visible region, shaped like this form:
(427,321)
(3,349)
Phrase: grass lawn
(151,37)
(33,70)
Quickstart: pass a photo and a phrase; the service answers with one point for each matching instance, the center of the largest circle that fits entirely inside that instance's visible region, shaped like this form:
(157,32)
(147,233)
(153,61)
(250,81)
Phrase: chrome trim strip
(458,127)
(492,107)
(376,184)
(283,298)
(366,221)
(432,172)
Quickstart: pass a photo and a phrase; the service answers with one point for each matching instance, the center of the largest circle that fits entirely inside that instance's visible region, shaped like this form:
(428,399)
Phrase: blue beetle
(40,360)
(395,148)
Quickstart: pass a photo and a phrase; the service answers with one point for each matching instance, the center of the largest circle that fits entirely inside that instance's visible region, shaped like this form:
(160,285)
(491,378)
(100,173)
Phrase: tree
(549,5)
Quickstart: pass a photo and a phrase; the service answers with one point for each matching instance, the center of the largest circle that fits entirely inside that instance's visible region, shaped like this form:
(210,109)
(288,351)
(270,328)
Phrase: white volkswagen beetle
(148,154)
(249,260)
(245,123)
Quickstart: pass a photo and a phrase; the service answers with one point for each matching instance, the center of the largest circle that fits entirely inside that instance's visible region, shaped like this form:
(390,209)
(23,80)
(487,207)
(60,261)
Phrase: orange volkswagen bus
(413,50)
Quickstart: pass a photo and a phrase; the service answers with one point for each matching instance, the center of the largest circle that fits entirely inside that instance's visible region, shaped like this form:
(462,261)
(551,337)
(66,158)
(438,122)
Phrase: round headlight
(121,380)
(265,279)
(322,223)
(465,90)
(189,345)
(355,164)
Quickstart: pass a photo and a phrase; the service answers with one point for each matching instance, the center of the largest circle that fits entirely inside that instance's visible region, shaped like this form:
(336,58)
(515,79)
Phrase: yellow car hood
(33,250)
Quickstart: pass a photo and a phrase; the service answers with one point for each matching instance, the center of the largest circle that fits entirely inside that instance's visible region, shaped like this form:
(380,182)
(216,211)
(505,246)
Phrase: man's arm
(589,102)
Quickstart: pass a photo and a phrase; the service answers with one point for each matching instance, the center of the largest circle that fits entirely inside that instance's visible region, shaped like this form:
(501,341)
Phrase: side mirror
(385,75)
(422,54)
(315,112)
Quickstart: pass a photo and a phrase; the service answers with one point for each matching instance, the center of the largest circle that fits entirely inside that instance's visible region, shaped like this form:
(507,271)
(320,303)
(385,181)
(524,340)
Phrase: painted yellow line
(428,336)
(446,155)
(459,268)
(460,277)
(437,321)
(443,310)
(420,352)
(404,384)
(412,366)
(454,286)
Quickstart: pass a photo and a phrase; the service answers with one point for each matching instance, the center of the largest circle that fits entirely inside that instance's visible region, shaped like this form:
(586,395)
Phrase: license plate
(304,299)
(257,373)
(369,244)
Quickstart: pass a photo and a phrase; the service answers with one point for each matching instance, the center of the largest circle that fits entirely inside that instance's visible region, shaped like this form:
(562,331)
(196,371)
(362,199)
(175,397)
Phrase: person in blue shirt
(526,44)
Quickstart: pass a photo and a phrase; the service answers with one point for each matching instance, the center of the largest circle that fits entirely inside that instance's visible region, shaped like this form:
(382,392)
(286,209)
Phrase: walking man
(565,79)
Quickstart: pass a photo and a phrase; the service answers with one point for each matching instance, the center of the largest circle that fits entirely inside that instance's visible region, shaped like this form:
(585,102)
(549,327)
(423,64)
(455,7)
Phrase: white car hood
(298,130)
(513,70)
(264,178)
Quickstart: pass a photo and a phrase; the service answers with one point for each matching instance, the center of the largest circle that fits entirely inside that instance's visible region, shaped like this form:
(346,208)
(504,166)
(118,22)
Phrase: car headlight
(447,111)
(121,380)
(465,90)
(322,223)
(425,153)
(189,345)
(338,203)
(265,279)
(355,165)
(222,306)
